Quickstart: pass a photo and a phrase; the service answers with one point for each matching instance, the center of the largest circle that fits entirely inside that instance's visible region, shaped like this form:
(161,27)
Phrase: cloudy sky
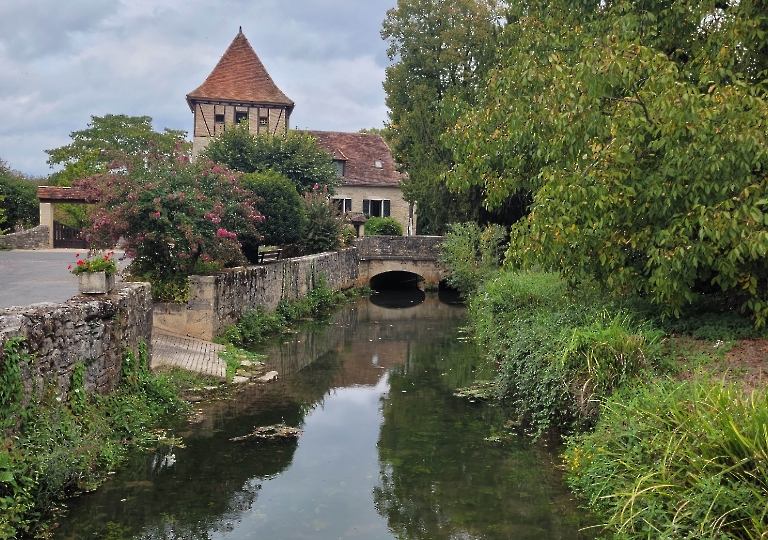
(62,61)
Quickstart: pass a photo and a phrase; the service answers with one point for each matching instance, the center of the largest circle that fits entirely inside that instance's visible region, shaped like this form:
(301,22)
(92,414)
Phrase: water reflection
(398,299)
(387,452)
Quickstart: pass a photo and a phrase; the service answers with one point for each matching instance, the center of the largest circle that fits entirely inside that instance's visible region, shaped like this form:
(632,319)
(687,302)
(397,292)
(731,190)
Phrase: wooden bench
(269,255)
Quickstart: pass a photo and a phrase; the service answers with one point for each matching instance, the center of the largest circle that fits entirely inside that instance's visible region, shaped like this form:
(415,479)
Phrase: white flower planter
(95,282)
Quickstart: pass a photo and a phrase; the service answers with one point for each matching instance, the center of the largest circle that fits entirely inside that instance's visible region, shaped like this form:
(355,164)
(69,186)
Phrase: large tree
(109,137)
(441,51)
(639,130)
(295,155)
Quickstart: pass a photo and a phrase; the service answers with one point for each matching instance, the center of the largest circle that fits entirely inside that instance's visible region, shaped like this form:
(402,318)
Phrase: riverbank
(55,448)
(666,416)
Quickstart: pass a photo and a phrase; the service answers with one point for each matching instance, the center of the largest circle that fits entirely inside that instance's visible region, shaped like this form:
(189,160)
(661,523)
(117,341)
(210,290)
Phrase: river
(387,451)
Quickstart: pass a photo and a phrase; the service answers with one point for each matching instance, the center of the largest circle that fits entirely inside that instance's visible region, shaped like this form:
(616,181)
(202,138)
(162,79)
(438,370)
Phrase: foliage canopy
(18,197)
(295,155)
(110,137)
(284,219)
(639,132)
(441,52)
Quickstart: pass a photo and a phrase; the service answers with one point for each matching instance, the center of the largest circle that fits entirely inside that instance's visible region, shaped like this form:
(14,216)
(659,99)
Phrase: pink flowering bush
(175,218)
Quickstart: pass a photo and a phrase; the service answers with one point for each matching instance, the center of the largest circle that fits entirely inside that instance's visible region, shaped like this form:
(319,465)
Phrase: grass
(677,460)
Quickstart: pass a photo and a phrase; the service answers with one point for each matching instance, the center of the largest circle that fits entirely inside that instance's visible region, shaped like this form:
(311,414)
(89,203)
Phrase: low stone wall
(220,300)
(36,238)
(94,330)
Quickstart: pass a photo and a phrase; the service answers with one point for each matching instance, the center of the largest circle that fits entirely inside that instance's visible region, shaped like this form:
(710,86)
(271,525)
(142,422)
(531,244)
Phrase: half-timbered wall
(207,126)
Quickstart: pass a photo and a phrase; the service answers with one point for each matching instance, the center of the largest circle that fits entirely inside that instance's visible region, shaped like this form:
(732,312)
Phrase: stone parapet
(220,300)
(92,330)
(400,247)
(36,238)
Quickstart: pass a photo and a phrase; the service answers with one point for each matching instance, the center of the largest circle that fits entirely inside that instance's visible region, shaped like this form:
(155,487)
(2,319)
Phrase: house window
(263,121)
(241,116)
(339,164)
(342,205)
(378,164)
(376,207)
(218,118)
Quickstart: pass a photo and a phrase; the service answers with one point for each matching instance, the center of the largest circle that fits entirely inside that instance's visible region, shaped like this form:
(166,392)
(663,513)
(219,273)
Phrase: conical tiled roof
(240,76)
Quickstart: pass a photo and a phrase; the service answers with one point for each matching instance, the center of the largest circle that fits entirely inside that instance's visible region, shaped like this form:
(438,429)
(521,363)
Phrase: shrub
(348,235)
(677,460)
(172,215)
(384,226)
(284,219)
(558,356)
(323,231)
(256,325)
(471,254)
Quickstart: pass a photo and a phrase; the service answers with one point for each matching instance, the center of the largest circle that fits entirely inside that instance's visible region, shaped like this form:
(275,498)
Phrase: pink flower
(157,214)
(221,233)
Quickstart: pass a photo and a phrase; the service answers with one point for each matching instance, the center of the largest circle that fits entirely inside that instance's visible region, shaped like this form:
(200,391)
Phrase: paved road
(29,277)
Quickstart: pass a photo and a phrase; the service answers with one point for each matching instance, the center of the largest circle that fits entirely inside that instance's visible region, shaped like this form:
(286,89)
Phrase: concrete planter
(95,282)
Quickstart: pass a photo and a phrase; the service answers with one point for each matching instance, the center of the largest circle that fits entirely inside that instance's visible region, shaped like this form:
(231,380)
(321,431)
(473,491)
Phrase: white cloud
(65,61)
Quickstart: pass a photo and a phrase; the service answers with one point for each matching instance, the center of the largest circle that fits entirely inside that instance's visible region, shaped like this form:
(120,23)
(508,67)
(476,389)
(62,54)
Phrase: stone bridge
(410,254)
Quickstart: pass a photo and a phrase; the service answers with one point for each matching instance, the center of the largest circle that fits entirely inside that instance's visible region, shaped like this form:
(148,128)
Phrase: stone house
(239,88)
(370,182)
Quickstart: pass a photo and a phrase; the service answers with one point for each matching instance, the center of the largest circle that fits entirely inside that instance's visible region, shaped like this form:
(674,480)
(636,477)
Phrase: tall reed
(677,460)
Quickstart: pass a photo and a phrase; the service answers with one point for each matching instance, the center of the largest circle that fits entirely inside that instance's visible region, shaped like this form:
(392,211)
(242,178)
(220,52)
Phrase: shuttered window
(376,207)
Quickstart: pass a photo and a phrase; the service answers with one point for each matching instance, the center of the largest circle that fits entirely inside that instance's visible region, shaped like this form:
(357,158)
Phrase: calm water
(387,451)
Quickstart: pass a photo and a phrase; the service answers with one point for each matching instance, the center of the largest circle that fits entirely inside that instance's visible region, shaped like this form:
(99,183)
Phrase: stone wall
(413,247)
(220,300)
(90,329)
(36,238)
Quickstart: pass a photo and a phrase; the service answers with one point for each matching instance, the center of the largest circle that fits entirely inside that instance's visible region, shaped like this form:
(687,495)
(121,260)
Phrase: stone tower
(239,88)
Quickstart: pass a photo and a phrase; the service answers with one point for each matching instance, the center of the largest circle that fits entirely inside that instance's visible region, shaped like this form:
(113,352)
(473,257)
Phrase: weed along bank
(220,300)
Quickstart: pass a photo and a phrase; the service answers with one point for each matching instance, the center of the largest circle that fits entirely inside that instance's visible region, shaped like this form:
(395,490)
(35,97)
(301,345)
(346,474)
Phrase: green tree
(639,131)
(441,51)
(106,138)
(284,219)
(19,193)
(296,156)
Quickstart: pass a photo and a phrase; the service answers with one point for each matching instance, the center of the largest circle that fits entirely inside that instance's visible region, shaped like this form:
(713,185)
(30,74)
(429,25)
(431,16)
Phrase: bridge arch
(402,254)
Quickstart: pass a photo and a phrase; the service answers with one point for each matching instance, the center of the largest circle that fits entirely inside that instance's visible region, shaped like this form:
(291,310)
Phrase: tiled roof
(239,76)
(361,151)
(62,194)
